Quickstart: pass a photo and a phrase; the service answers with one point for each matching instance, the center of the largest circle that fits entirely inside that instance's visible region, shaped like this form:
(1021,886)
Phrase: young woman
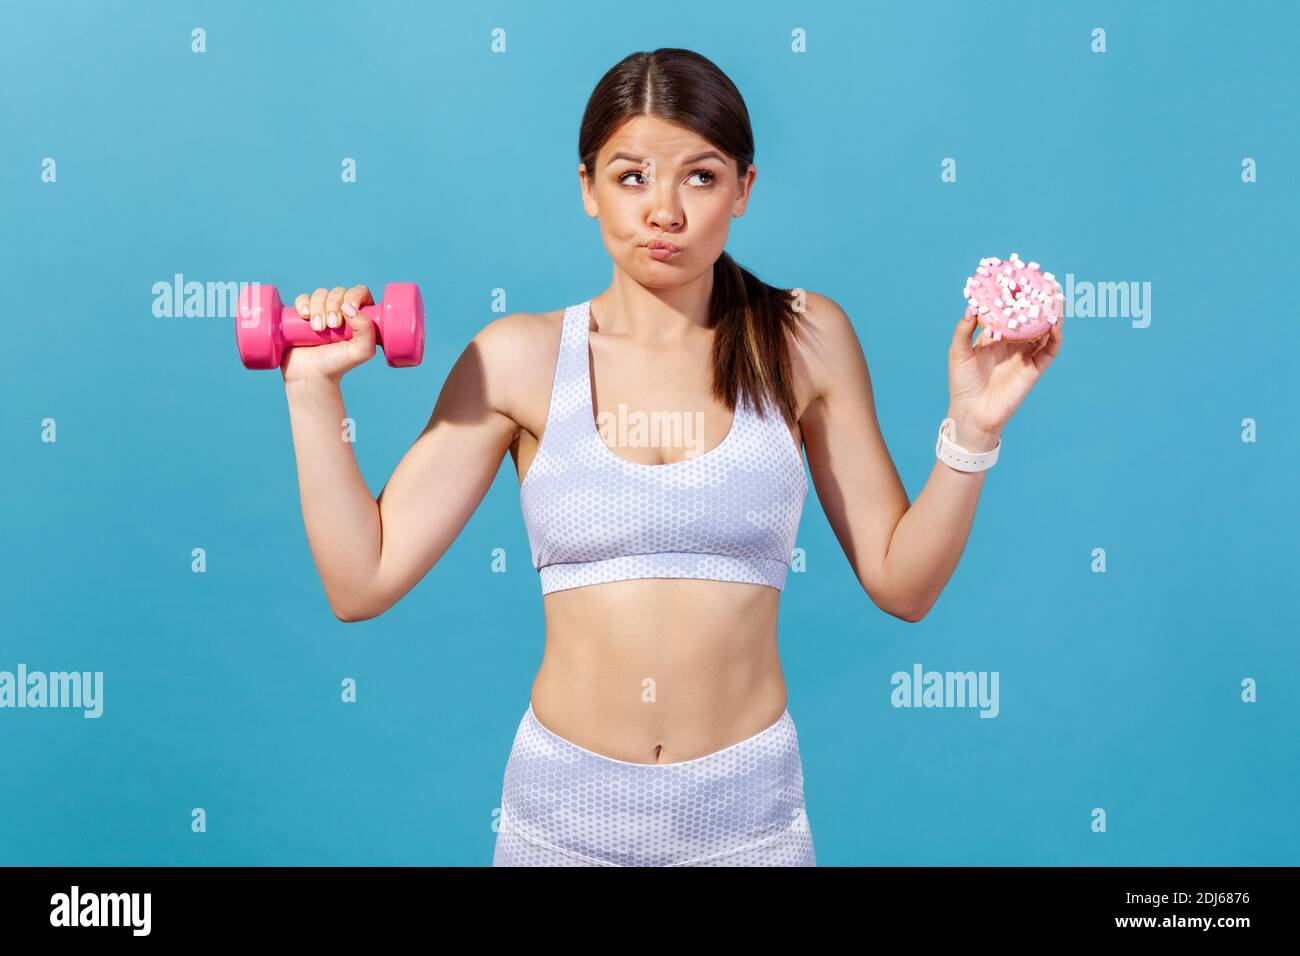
(657,731)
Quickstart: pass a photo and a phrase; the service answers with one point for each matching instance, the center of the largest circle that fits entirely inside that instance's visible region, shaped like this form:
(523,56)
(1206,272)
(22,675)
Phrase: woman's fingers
(1043,357)
(355,299)
(1041,342)
(318,309)
(327,308)
(333,307)
(961,343)
(361,346)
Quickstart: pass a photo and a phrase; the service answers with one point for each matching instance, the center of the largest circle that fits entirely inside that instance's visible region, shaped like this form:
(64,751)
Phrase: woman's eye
(712,177)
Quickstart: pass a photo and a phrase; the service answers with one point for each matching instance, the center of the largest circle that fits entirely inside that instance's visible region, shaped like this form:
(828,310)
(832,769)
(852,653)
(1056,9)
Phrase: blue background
(1118,690)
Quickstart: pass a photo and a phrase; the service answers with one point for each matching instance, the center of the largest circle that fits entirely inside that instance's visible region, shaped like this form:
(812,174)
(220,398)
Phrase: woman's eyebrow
(698,157)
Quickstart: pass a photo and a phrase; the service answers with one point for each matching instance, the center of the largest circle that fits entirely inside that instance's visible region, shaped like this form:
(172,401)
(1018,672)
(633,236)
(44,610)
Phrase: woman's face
(655,180)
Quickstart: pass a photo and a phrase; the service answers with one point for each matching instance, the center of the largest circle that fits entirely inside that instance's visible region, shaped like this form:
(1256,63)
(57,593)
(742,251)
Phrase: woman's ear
(588,198)
(746,184)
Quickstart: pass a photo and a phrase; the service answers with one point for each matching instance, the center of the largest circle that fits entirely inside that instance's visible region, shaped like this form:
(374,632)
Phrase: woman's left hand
(988,380)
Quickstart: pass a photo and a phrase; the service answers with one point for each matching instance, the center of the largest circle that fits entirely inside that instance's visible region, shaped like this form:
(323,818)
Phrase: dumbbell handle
(298,331)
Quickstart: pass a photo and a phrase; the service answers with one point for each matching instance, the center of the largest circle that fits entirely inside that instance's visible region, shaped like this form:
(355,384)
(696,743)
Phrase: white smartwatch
(954,456)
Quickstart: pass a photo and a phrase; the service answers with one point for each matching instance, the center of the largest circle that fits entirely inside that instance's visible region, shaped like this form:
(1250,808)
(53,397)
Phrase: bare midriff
(660,670)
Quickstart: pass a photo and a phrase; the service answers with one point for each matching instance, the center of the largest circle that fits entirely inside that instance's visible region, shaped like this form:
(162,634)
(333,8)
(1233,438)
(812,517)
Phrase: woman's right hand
(330,308)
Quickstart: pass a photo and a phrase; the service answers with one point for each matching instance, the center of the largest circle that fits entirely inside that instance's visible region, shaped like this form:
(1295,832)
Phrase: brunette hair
(750,352)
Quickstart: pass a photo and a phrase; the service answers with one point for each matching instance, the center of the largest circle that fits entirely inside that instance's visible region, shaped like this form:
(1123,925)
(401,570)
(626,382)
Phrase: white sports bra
(728,514)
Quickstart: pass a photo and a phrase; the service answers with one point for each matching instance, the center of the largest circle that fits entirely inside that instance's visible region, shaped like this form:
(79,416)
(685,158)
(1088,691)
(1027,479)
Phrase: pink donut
(1016,302)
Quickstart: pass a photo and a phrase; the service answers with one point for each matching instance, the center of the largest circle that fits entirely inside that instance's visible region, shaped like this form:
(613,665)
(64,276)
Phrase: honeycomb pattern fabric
(564,805)
(728,514)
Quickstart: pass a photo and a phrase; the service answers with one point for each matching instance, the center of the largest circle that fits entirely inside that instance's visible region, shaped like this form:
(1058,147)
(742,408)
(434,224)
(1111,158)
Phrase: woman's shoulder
(825,345)
(823,315)
(516,354)
(518,336)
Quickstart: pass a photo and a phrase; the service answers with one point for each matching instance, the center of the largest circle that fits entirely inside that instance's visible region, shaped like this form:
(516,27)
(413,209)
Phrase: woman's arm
(370,552)
(902,552)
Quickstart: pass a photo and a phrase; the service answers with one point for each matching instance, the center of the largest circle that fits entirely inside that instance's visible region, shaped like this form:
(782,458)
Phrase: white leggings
(564,805)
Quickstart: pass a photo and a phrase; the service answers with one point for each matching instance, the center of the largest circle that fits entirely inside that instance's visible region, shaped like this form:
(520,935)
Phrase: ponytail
(751,356)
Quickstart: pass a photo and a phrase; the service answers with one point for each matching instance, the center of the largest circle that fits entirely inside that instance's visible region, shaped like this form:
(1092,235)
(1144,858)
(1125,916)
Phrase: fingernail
(332,320)
(349,310)
(304,311)
(317,323)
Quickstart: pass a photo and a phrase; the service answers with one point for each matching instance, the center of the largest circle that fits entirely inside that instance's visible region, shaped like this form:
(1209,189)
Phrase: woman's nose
(666,214)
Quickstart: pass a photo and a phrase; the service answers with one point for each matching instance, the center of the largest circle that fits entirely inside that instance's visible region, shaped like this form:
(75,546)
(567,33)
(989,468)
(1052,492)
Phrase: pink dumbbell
(265,327)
